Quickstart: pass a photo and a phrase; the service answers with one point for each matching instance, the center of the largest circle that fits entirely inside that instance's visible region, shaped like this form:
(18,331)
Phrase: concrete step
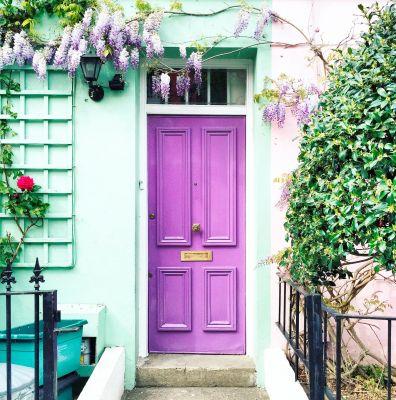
(196,394)
(195,370)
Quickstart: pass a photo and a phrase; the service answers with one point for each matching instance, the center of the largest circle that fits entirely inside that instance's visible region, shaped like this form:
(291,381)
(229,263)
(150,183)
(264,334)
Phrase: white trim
(107,379)
(142,233)
(189,109)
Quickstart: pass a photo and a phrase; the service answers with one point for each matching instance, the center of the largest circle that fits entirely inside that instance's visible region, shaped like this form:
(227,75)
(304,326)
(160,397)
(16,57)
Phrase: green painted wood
(43,149)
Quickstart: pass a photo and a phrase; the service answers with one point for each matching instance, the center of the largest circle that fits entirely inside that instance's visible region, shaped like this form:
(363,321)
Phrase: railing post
(315,346)
(50,346)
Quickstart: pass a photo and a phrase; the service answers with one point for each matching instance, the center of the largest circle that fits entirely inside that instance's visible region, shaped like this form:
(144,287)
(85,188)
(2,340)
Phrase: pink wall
(334,19)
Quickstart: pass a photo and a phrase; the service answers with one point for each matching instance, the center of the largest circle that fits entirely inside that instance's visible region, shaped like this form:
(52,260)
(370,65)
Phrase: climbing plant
(101,27)
(343,193)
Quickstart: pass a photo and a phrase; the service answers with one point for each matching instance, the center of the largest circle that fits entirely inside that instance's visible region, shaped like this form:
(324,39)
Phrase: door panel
(219,184)
(220,299)
(173,187)
(174,299)
(196,204)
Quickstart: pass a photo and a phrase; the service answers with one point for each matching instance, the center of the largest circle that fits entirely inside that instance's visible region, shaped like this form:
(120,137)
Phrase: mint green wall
(106,184)
(262,145)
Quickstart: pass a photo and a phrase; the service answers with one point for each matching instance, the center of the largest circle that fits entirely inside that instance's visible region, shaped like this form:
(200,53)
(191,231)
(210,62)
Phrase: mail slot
(196,255)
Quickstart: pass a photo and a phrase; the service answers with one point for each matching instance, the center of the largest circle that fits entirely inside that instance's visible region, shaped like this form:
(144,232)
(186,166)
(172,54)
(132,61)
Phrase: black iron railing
(48,298)
(304,321)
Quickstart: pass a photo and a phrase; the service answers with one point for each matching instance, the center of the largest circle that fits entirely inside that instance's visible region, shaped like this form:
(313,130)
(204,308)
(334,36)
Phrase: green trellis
(43,149)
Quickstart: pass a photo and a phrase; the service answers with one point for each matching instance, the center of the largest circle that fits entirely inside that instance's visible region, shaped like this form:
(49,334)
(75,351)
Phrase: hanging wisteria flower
(156,85)
(242,22)
(6,55)
(23,50)
(73,61)
(275,112)
(117,37)
(165,86)
(263,20)
(132,34)
(151,37)
(302,112)
(77,35)
(183,51)
(63,49)
(314,89)
(134,58)
(39,64)
(100,49)
(194,63)
(101,27)
(87,19)
(122,62)
(182,84)
(285,195)
(153,21)
(153,45)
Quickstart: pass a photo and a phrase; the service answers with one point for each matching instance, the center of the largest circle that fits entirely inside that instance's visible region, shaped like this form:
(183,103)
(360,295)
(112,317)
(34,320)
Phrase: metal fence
(304,321)
(48,300)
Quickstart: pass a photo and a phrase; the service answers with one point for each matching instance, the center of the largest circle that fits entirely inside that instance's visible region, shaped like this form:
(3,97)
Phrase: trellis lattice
(43,149)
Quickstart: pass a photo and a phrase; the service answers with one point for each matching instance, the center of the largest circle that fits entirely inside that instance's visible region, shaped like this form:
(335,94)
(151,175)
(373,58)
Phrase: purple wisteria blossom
(132,34)
(117,37)
(263,20)
(6,55)
(134,58)
(39,64)
(61,53)
(165,86)
(101,27)
(76,36)
(314,89)
(23,49)
(151,37)
(194,63)
(275,112)
(242,22)
(302,112)
(100,49)
(73,61)
(87,19)
(285,195)
(122,61)
(182,84)
(156,85)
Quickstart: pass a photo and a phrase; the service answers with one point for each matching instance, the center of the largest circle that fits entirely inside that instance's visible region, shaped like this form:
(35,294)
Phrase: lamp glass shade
(91,66)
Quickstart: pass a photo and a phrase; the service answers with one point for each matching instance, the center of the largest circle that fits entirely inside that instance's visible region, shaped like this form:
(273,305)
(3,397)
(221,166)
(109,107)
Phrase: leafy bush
(343,193)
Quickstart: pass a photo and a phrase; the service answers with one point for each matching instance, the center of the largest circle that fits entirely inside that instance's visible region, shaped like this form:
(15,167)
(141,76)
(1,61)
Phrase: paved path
(196,393)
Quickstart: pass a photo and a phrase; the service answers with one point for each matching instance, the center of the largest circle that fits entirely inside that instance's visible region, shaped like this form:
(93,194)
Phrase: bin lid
(21,378)
(26,332)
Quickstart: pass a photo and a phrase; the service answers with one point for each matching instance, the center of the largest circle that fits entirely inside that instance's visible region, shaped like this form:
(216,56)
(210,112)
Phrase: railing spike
(7,277)
(37,277)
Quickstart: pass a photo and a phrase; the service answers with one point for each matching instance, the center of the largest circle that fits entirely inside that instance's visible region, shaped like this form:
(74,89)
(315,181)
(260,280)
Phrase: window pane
(199,95)
(226,87)
(237,84)
(218,86)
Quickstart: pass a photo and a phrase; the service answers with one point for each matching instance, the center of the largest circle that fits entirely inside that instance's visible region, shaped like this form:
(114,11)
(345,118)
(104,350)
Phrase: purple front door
(196,213)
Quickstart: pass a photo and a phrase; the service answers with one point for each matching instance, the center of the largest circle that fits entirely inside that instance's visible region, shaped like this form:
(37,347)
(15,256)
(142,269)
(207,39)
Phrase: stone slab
(183,370)
(196,393)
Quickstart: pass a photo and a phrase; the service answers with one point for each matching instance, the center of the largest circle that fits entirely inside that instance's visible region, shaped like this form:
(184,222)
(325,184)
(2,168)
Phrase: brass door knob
(196,227)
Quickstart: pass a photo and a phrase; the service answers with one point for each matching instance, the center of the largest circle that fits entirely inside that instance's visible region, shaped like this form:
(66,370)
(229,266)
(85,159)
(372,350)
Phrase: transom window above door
(219,87)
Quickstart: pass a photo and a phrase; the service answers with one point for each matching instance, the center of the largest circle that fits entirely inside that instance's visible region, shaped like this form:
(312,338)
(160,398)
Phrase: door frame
(142,211)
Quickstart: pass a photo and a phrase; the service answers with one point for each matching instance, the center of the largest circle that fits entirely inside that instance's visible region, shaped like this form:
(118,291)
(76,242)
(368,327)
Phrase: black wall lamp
(91,66)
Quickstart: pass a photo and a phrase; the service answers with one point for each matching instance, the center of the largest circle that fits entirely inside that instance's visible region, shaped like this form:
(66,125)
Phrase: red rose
(25,183)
